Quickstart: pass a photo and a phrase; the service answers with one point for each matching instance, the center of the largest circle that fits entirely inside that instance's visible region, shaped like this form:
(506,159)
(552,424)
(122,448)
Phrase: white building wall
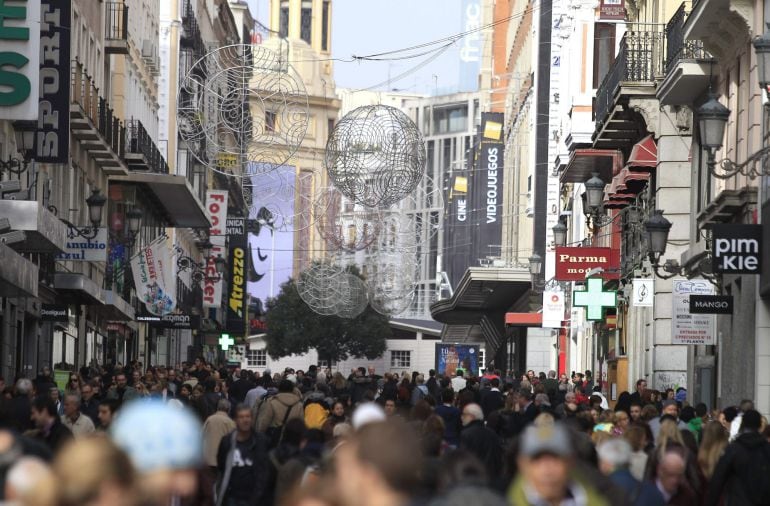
(540,350)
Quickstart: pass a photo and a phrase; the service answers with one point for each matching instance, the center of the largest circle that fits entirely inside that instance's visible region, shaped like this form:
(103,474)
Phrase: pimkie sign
(572,264)
(737,248)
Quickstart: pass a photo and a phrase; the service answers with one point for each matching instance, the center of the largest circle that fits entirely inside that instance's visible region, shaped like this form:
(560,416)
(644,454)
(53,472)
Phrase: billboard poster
(53,118)
(271,229)
(487,191)
(154,277)
(216,212)
(471,45)
(688,328)
(237,265)
(451,357)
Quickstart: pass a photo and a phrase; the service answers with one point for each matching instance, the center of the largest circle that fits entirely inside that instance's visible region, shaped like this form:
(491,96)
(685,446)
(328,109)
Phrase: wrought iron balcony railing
(677,48)
(97,109)
(141,151)
(640,60)
(116,21)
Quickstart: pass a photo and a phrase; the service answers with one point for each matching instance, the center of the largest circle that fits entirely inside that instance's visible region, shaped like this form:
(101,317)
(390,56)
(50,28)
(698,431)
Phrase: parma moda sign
(572,264)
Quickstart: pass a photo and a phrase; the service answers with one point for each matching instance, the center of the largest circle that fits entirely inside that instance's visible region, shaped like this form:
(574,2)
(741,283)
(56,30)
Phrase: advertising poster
(271,229)
(154,277)
(216,212)
(687,328)
(450,357)
(487,193)
(237,265)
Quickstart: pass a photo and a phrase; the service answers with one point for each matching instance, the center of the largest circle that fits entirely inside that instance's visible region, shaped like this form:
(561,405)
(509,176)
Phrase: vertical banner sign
(154,277)
(553,308)
(487,202)
(20,59)
(643,292)
(216,211)
(237,259)
(470,50)
(53,120)
(687,328)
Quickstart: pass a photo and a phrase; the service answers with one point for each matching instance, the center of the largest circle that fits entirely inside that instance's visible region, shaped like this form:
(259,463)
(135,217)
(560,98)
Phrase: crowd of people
(195,434)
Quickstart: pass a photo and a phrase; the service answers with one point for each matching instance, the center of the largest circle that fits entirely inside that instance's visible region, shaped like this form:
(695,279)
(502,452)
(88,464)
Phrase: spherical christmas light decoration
(354,297)
(242,103)
(391,281)
(375,155)
(321,287)
(345,225)
(283,195)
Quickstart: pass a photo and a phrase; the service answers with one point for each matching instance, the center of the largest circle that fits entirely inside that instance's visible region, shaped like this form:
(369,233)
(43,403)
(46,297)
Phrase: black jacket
(491,401)
(731,476)
(485,445)
(257,453)
(56,437)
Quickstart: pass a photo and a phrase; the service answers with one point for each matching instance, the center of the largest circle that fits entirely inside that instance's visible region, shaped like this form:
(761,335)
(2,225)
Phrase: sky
(363,27)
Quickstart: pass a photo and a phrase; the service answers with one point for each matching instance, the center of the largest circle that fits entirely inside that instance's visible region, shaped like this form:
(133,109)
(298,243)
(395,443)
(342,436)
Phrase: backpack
(757,484)
(315,415)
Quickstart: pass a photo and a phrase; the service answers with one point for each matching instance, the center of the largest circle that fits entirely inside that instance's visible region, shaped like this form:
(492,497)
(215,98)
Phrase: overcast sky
(362,27)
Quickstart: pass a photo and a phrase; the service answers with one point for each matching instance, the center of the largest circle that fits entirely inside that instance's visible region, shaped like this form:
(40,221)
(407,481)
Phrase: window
(256,358)
(604,51)
(450,119)
(283,27)
(270,121)
(306,21)
(325,27)
(401,359)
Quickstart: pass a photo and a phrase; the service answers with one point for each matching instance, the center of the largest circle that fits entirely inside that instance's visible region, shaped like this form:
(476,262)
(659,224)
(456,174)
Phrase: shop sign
(643,293)
(737,249)
(686,327)
(595,299)
(216,211)
(553,308)
(612,9)
(711,304)
(236,263)
(54,313)
(53,118)
(573,263)
(20,60)
(171,321)
(79,249)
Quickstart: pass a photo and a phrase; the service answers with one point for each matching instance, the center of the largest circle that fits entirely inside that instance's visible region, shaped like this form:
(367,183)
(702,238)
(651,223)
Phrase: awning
(480,301)
(18,276)
(115,307)
(45,233)
(174,195)
(77,289)
(585,161)
(644,154)
(524,319)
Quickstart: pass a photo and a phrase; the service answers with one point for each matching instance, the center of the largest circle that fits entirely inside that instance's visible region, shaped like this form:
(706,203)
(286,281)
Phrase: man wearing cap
(671,409)
(546,471)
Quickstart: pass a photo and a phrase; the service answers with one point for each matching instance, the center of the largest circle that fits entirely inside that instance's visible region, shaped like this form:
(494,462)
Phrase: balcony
(141,152)
(116,28)
(191,33)
(688,64)
(94,125)
(722,25)
(633,75)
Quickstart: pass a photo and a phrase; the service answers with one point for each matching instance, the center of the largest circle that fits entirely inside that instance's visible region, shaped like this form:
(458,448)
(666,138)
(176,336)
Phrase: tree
(294,329)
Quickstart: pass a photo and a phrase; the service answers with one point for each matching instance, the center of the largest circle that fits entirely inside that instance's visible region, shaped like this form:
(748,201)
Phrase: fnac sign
(572,264)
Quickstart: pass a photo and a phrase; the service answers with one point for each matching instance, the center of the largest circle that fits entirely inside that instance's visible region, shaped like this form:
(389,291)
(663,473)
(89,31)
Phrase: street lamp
(24,132)
(535,265)
(134,221)
(560,233)
(95,202)
(658,228)
(220,264)
(595,193)
(205,248)
(762,48)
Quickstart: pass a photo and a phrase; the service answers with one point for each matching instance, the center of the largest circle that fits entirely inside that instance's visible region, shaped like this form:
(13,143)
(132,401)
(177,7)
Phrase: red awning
(644,154)
(524,319)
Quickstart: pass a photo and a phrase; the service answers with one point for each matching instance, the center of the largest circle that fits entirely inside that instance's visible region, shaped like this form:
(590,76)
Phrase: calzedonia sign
(572,264)
(171,321)
(737,249)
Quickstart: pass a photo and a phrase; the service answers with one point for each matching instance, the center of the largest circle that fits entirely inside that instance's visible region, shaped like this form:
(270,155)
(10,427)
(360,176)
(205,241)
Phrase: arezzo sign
(737,249)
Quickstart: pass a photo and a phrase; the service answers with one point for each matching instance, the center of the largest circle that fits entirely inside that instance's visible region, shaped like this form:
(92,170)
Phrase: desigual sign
(572,264)
(19,59)
(737,249)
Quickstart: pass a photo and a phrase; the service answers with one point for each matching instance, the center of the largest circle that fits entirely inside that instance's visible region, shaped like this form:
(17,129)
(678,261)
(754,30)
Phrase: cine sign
(711,304)
(737,249)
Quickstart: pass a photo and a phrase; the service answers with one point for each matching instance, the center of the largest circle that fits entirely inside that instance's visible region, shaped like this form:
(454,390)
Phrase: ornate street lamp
(560,233)
(24,132)
(595,193)
(134,221)
(535,265)
(762,49)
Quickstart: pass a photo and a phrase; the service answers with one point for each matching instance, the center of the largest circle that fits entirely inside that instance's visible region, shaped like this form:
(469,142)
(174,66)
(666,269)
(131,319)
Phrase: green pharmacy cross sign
(595,299)
(225,341)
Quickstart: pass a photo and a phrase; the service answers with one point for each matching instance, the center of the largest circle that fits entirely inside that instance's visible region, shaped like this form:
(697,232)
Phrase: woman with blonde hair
(74,384)
(669,432)
(713,444)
